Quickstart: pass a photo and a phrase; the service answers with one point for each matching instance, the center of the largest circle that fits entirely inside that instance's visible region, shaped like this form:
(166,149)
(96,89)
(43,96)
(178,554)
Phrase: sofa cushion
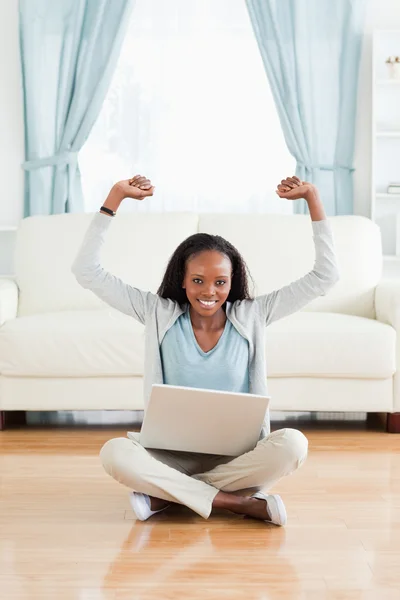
(72,344)
(137,250)
(318,344)
(108,343)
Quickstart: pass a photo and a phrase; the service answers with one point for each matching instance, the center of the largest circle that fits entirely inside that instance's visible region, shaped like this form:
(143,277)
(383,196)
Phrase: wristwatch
(108,211)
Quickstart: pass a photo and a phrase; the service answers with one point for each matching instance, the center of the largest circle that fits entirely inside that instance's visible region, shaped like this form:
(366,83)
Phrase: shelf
(8,228)
(387,196)
(391,258)
(389,82)
(389,133)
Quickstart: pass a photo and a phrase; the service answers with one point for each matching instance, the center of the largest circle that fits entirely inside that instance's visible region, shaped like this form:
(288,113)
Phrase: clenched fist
(292,188)
(137,187)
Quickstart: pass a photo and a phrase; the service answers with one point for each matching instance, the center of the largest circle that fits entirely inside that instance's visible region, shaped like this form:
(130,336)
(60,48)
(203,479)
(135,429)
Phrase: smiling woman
(207,280)
(205,267)
(203,330)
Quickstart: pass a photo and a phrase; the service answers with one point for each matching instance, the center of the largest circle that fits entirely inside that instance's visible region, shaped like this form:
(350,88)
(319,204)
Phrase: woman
(204,330)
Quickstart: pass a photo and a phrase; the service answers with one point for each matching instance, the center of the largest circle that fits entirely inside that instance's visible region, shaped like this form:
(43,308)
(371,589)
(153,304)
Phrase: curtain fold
(69,49)
(311,53)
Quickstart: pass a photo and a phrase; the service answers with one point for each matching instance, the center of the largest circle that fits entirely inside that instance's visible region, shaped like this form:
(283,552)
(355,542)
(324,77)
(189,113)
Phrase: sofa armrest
(387,303)
(8,300)
(387,307)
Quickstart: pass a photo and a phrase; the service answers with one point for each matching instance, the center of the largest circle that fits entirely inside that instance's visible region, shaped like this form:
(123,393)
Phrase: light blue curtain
(69,49)
(311,53)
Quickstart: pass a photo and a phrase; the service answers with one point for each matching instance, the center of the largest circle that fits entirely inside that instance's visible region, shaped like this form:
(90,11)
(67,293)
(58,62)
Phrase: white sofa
(61,348)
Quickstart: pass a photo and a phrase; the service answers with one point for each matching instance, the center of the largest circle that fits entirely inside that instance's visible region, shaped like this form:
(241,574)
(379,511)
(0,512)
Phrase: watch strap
(108,211)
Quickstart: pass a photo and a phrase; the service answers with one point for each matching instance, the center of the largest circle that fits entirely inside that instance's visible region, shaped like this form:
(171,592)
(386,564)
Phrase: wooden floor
(67,532)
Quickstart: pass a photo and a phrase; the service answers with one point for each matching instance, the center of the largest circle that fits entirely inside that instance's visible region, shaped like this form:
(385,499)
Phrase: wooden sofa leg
(393,423)
(12,418)
(377,421)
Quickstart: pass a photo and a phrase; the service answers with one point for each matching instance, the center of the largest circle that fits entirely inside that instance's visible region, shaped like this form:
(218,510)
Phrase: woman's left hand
(292,188)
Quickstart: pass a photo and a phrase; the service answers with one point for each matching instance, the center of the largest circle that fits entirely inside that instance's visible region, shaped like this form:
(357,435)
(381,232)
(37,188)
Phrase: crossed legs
(202,482)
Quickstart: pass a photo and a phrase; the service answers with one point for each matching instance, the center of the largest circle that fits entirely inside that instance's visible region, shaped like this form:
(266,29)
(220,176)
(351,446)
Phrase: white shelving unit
(385,207)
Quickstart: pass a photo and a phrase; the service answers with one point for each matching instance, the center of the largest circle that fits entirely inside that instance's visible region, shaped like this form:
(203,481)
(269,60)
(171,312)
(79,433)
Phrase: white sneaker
(275,507)
(141,506)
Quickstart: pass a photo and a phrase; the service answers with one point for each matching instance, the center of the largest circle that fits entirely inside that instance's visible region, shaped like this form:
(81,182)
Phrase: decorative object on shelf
(393,188)
(393,64)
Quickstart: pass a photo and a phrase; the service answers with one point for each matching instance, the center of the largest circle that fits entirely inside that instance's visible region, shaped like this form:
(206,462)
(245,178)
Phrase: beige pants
(195,479)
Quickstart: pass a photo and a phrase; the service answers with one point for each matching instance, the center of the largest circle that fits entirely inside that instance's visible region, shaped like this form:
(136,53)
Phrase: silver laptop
(205,421)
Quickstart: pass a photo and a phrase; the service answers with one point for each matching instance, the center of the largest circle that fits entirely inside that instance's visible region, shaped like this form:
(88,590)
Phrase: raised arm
(325,273)
(87,267)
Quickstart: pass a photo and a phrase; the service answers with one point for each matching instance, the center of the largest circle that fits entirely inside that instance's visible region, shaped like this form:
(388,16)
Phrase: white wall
(383,14)
(11,117)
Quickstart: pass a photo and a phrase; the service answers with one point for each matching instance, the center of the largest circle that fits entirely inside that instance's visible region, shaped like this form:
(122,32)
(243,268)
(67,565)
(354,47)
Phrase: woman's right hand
(138,187)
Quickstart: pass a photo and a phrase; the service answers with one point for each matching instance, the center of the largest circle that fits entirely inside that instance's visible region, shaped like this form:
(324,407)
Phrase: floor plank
(67,531)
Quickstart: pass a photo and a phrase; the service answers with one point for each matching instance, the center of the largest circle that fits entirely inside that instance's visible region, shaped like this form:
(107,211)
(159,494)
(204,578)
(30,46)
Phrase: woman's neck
(212,323)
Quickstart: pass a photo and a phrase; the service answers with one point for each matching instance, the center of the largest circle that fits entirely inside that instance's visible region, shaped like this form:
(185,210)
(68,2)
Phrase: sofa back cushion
(137,249)
(279,249)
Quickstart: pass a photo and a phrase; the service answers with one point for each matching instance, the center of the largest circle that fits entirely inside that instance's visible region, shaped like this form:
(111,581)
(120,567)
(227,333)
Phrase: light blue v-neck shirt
(225,367)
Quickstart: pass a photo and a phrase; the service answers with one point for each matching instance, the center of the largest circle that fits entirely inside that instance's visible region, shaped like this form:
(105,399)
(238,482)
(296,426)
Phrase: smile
(208,304)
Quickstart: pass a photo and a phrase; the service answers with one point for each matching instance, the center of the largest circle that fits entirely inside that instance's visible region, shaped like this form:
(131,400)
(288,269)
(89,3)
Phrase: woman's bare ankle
(157,503)
(227,501)
(242,505)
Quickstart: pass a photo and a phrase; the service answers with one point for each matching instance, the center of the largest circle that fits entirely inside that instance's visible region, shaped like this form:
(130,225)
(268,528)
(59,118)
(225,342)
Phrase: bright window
(189,107)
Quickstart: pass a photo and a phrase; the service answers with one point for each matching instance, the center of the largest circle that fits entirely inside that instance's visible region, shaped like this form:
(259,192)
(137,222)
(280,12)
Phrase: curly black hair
(171,286)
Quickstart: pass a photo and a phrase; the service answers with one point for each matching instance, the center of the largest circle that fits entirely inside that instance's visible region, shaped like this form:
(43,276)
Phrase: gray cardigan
(249,317)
